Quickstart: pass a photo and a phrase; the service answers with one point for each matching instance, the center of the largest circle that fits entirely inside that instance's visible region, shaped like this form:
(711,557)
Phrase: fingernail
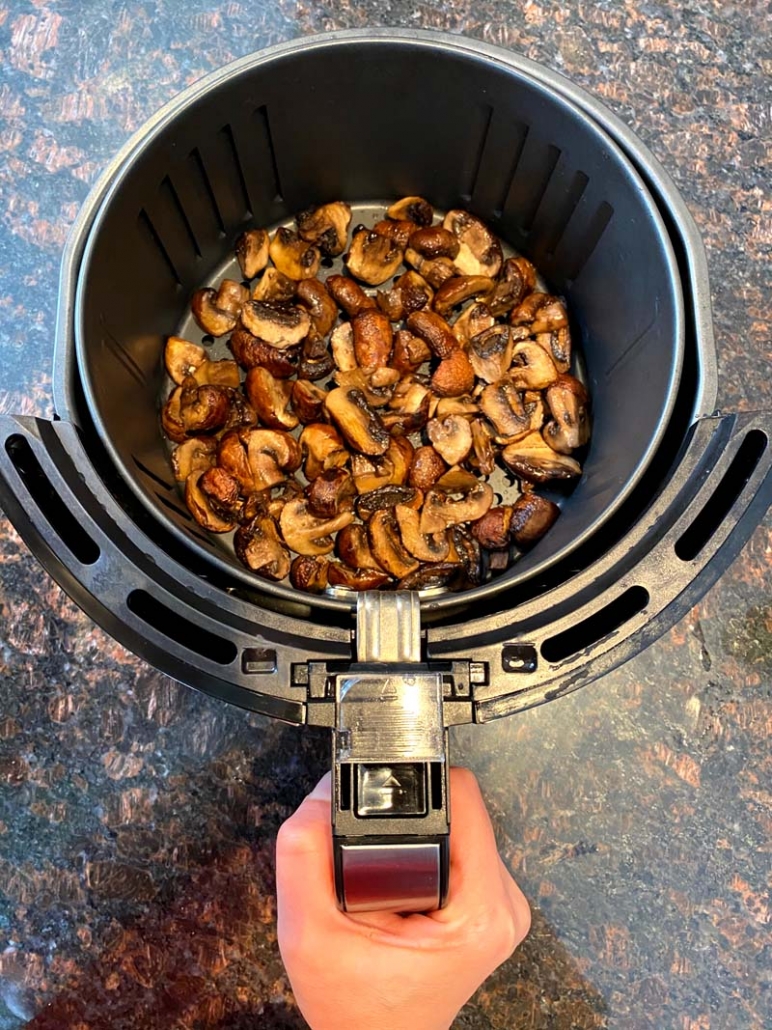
(323,790)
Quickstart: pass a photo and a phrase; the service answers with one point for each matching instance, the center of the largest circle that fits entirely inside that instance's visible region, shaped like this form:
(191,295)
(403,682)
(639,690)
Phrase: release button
(391,790)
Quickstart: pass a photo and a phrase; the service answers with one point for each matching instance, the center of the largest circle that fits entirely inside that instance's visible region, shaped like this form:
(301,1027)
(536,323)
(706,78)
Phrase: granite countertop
(137,818)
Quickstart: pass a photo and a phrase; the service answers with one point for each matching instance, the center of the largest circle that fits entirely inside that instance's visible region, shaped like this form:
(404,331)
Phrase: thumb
(304,872)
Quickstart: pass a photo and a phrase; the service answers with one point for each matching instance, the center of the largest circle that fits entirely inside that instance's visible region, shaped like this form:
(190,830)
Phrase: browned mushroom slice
(342,346)
(542,312)
(453,376)
(570,428)
(426,468)
(293,256)
(357,579)
(435,271)
(232,455)
(532,516)
(532,368)
(483,455)
(493,529)
(321,307)
(383,498)
(223,492)
(280,325)
(490,353)
(434,331)
(466,550)
(410,352)
(502,404)
(326,226)
(377,384)
(398,231)
(473,320)
(231,297)
(479,250)
(451,437)
(457,480)
(274,287)
(386,544)
(425,547)
(558,345)
(196,454)
(359,424)
(400,454)
(252,252)
(218,373)
(270,398)
(408,408)
(416,209)
(533,459)
(208,316)
(309,574)
(203,408)
(348,295)
(331,493)
(250,351)
(455,291)
(260,547)
(241,414)
(306,534)
(171,418)
(373,258)
(433,241)
(353,547)
(307,401)
(517,280)
(182,358)
(324,448)
(272,499)
(271,454)
(201,509)
(410,293)
(316,362)
(441,575)
(373,339)
(442,510)
(371,472)
(461,405)
(533,402)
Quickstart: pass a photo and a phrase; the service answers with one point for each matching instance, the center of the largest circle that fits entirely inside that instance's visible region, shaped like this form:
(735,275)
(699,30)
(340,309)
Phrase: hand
(380,970)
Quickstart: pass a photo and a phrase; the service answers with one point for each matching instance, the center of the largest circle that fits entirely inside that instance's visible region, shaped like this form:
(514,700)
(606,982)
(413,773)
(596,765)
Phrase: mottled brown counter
(138,818)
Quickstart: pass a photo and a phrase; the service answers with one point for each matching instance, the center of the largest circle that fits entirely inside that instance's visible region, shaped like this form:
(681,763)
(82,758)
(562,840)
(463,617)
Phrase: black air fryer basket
(670,490)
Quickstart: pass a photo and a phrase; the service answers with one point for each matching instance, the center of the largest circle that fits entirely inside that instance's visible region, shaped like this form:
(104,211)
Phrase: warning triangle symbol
(392,782)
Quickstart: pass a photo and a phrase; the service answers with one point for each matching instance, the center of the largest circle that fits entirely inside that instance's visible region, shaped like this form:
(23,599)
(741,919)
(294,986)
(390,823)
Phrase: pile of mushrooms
(355,451)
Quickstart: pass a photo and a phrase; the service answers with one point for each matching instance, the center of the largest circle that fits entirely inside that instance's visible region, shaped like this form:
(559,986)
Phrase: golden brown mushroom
(293,256)
(434,331)
(182,358)
(410,293)
(493,529)
(386,544)
(307,401)
(260,547)
(340,575)
(542,312)
(533,459)
(435,271)
(373,258)
(252,252)
(201,509)
(353,547)
(271,454)
(326,226)
(196,454)
(479,250)
(270,398)
(320,305)
(309,573)
(458,289)
(203,408)
(274,286)
(433,241)
(223,492)
(473,320)
(453,376)
(348,295)
(280,325)
(415,209)
(373,339)
(250,351)
(442,509)
(516,281)
(359,424)
(425,547)
(331,493)
(209,317)
(398,231)
(306,534)
(316,362)
(426,468)
(570,428)
(557,344)
(532,516)
(410,352)
(532,368)
(451,438)
(490,353)
(502,404)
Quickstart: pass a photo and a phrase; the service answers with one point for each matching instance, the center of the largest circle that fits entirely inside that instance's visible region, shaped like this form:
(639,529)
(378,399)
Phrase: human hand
(384,971)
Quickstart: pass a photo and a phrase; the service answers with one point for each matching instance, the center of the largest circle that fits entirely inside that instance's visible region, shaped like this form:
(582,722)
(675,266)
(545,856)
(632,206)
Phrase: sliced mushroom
(461,405)
(532,516)
(342,346)
(293,256)
(241,414)
(306,534)
(274,287)
(196,454)
(532,368)
(252,252)
(309,574)
(435,271)
(455,291)
(479,250)
(483,455)
(209,317)
(408,407)
(373,258)
(493,529)
(490,353)
(473,320)
(398,231)
(442,510)
(231,297)
(453,376)
(533,402)
(316,362)
(517,280)
(431,577)
(410,352)
(203,408)
(280,325)
(321,307)
(182,358)
(348,295)
(376,384)
(270,398)
(259,546)
(434,331)
(384,498)
(371,472)
(201,509)
(400,454)
(250,351)
(271,454)
(331,493)
(465,549)
(457,480)
(232,455)
(218,373)
(324,448)
(373,339)
(356,579)
(558,345)
(410,293)
(502,404)
(533,459)
(416,209)
(272,499)
(426,468)
(326,226)
(451,437)
(542,312)
(433,241)
(359,424)
(307,401)
(223,492)
(352,546)
(386,544)
(425,547)
(570,428)
(171,417)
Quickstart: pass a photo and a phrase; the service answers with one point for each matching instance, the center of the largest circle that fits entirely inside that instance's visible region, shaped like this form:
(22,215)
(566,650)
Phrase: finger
(304,872)
(521,910)
(474,859)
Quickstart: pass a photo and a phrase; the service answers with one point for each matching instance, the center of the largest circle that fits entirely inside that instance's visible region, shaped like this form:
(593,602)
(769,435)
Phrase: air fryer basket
(670,493)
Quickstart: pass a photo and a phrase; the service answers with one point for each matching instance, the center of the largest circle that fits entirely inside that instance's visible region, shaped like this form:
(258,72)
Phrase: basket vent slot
(589,631)
(152,475)
(229,140)
(151,235)
(486,112)
(175,626)
(583,249)
(565,210)
(172,199)
(263,126)
(58,515)
(540,175)
(719,504)
(196,163)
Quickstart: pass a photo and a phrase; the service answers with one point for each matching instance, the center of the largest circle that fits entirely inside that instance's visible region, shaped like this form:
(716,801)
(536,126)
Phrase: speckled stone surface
(137,818)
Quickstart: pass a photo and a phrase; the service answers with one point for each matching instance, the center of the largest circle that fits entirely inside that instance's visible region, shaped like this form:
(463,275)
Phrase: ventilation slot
(52,507)
(583,250)
(435,784)
(190,635)
(226,134)
(183,513)
(720,503)
(520,132)
(151,235)
(122,355)
(538,186)
(152,475)
(264,128)
(487,114)
(584,634)
(169,194)
(564,211)
(197,163)
(345,787)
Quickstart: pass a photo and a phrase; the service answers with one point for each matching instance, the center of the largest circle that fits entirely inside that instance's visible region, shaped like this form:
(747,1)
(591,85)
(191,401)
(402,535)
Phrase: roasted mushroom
(472,321)
(271,454)
(280,325)
(425,547)
(455,291)
(502,404)
(385,498)
(272,499)
(252,252)
(431,577)
(542,312)
(323,448)
(259,546)
(386,544)
(306,534)
(201,509)
(532,516)
(231,297)
(490,353)
(483,456)
(274,286)
(218,373)
(433,241)
(414,209)
(461,405)
(376,384)
(451,437)
(434,331)
(517,280)
(270,398)
(339,575)
(398,231)
(373,258)
(171,418)
(443,509)
(321,307)
(196,454)
(342,346)
(326,226)
(182,358)
(453,376)
(348,295)
(479,250)
(241,414)
(307,401)
(358,423)
(210,318)
(570,428)
(352,546)
(408,408)
(309,574)
(557,344)
(435,271)
(410,293)
(250,351)
(373,339)
(533,459)
(410,352)
(202,408)
(293,256)
(426,468)
(331,493)
(493,529)
(532,368)
(223,492)
(316,362)
(233,456)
